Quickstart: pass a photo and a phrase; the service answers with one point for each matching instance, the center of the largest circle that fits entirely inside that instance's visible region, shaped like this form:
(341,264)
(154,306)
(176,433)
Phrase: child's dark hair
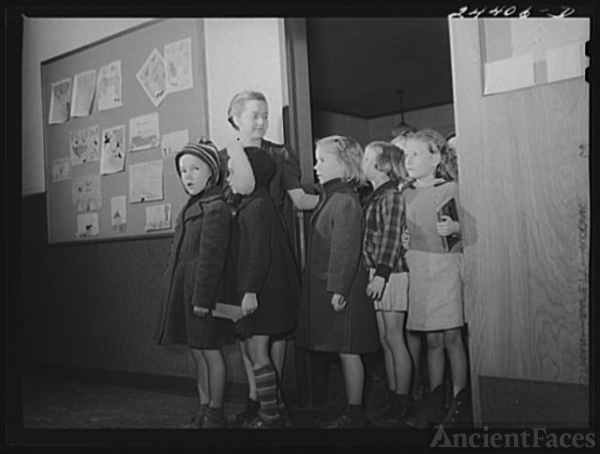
(389,160)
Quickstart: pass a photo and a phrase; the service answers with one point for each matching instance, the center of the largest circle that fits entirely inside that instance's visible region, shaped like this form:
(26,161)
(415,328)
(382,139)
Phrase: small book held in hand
(229,311)
(448,208)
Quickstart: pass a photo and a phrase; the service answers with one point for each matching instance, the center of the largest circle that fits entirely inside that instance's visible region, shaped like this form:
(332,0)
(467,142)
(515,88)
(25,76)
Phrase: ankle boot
(460,412)
(198,418)
(432,410)
(249,414)
(386,413)
(403,406)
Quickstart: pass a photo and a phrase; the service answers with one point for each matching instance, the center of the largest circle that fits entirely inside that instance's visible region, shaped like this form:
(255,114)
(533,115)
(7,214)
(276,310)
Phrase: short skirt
(435,299)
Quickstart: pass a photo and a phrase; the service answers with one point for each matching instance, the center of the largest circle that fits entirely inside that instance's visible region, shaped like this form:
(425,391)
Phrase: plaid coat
(384,223)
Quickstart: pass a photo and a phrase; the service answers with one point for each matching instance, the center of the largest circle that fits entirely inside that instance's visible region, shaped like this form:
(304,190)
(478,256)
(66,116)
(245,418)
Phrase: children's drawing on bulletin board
(118,213)
(84,145)
(61,169)
(87,225)
(112,159)
(144,132)
(152,78)
(158,217)
(146,181)
(87,195)
(109,86)
(178,59)
(60,102)
(173,142)
(83,93)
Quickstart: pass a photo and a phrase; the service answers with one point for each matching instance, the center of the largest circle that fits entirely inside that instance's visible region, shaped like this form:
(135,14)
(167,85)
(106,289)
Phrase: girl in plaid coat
(388,277)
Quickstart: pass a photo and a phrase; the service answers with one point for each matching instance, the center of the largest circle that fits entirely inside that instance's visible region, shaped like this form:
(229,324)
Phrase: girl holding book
(268,280)
(248,115)
(435,286)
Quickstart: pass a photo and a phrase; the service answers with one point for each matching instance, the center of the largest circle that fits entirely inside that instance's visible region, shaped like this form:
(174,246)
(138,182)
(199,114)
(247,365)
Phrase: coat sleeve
(346,242)
(390,248)
(214,241)
(290,168)
(256,223)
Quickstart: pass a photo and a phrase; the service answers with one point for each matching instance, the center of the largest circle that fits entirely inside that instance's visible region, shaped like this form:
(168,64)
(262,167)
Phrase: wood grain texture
(525,190)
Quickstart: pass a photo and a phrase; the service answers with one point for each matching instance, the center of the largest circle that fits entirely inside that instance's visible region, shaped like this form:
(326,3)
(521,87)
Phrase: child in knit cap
(193,277)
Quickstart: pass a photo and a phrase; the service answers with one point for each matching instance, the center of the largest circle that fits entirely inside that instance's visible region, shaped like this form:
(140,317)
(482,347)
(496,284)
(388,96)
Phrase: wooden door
(523,166)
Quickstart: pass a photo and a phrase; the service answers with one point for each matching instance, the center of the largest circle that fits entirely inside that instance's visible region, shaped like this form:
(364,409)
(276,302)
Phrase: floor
(59,403)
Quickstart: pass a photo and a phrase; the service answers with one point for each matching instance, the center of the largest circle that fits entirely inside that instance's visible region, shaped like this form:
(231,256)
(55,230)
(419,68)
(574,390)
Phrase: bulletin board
(115,114)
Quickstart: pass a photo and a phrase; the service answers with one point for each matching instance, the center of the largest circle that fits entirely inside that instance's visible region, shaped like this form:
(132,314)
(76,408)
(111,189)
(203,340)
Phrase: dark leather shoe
(343,421)
(259,423)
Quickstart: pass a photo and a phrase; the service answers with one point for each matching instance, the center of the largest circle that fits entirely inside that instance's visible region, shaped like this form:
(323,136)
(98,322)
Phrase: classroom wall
(327,123)
(440,118)
(94,304)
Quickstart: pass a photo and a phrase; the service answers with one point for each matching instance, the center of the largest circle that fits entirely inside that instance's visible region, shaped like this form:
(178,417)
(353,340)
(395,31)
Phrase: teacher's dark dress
(334,265)
(194,273)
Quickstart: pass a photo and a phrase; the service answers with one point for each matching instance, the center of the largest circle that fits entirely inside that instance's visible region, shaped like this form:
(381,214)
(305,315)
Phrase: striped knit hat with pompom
(207,152)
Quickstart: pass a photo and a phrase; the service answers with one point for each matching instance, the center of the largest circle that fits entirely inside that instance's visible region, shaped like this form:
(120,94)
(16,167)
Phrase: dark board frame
(186,109)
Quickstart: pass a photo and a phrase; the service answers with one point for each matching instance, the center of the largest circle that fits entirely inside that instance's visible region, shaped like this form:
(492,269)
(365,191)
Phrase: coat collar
(195,208)
(328,188)
(384,188)
(412,184)
(335,185)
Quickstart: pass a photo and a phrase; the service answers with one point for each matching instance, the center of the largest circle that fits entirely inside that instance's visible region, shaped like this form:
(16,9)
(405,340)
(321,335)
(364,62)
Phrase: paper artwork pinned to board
(83,93)
(118,213)
(87,225)
(145,181)
(60,102)
(178,60)
(86,193)
(84,145)
(158,217)
(108,86)
(61,169)
(144,132)
(173,142)
(152,77)
(112,159)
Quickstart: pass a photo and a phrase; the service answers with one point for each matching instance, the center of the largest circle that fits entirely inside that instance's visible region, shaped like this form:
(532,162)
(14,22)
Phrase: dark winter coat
(194,273)
(265,265)
(334,265)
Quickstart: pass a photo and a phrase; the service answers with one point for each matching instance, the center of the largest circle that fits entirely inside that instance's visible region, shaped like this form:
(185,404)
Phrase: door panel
(524,186)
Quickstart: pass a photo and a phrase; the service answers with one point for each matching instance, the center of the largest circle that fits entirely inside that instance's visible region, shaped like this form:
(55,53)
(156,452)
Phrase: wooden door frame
(300,123)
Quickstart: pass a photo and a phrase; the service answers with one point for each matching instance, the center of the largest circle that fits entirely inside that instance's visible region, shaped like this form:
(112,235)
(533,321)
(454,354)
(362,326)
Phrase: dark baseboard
(532,403)
(137,380)
(235,391)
